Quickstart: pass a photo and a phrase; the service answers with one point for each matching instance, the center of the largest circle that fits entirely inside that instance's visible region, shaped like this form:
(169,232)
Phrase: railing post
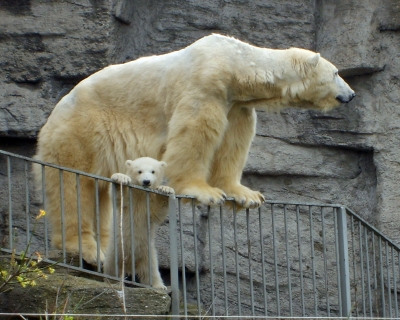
(173,257)
(344,263)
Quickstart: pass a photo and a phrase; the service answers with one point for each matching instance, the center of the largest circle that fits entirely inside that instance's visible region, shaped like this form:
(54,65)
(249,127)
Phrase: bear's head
(318,84)
(146,172)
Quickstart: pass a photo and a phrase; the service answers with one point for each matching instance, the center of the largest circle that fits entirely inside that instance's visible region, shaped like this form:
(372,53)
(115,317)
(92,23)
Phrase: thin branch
(122,250)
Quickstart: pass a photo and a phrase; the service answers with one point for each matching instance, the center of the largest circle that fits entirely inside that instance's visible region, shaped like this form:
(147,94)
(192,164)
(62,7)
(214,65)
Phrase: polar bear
(146,172)
(194,109)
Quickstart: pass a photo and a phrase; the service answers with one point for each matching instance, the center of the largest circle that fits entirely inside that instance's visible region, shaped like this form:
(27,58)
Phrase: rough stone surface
(46,47)
(347,156)
(64,293)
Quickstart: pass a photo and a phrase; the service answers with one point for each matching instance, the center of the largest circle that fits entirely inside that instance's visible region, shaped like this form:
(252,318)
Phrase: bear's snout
(345,99)
(146,183)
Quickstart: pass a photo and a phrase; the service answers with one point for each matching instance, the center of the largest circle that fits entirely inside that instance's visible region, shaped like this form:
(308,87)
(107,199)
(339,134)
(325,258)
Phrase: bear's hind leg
(149,274)
(105,216)
(63,214)
(111,266)
(88,229)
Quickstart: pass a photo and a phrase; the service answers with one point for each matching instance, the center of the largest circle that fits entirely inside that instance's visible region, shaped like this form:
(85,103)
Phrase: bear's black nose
(344,99)
(146,183)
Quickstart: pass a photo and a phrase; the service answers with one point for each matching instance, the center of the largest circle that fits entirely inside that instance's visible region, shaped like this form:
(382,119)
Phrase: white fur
(138,171)
(193,108)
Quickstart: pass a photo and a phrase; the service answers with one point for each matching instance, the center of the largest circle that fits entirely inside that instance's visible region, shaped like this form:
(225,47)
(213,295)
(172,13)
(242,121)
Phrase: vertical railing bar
(148,215)
(264,281)
(213,297)
(313,260)
(27,210)
(360,228)
(337,259)
(10,217)
(174,272)
(250,260)
(375,271)
(132,228)
(115,230)
(196,262)
(96,189)
(325,262)
(355,284)
(344,263)
(79,213)
(388,279)
(288,261)
(299,243)
(236,258)
(46,229)
(183,260)
(368,271)
(381,280)
(278,306)
(27,205)
(396,307)
(224,261)
(62,215)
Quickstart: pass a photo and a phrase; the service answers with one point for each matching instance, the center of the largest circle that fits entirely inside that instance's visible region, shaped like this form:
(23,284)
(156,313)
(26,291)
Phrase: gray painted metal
(343,263)
(283,259)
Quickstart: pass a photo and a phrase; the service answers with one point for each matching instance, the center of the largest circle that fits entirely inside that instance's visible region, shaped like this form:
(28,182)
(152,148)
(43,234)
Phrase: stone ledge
(76,295)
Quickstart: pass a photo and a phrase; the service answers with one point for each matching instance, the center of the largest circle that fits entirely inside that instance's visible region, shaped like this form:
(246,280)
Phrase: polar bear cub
(149,173)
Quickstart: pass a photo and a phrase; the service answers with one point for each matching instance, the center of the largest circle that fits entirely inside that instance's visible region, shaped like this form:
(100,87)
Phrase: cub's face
(146,172)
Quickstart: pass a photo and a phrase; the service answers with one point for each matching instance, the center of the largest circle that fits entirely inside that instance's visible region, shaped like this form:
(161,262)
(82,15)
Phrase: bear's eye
(336,73)
(152,172)
(140,172)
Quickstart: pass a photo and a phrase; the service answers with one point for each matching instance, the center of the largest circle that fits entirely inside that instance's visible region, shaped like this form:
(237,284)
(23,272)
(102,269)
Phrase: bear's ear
(128,163)
(313,61)
(163,164)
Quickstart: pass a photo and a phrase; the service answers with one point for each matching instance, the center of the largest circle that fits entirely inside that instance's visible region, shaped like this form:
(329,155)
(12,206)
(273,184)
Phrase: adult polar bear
(193,108)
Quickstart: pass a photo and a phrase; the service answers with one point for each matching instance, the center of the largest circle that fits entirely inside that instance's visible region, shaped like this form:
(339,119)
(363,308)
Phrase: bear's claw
(213,201)
(166,190)
(121,178)
(207,195)
(160,287)
(245,197)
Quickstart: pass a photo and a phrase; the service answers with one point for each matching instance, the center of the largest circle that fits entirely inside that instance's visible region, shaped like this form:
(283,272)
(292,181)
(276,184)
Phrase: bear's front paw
(245,197)
(206,195)
(121,178)
(165,189)
(159,286)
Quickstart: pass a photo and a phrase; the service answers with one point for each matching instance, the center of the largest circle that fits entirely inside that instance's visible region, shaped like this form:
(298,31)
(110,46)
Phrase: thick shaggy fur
(193,108)
(149,173)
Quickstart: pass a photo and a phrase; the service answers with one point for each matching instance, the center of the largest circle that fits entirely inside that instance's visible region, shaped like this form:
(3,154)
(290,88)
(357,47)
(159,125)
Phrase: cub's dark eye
(152,171)
(140,172)
(336,73)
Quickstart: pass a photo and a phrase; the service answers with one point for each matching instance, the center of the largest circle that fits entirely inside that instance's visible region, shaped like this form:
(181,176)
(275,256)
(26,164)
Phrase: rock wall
(347,156)
(46,48)
(49,46)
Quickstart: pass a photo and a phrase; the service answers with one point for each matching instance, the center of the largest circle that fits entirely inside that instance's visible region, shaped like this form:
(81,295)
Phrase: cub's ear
(313,61)
(163,164)
(128,163)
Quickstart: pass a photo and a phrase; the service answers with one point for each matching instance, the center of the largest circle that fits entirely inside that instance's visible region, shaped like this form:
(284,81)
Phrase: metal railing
(283,259)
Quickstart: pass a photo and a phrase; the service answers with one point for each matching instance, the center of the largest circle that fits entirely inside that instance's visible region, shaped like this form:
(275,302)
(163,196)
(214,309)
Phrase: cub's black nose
(146,183)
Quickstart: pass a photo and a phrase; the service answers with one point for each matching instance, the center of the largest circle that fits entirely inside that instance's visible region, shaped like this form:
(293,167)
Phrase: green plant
(23,268)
